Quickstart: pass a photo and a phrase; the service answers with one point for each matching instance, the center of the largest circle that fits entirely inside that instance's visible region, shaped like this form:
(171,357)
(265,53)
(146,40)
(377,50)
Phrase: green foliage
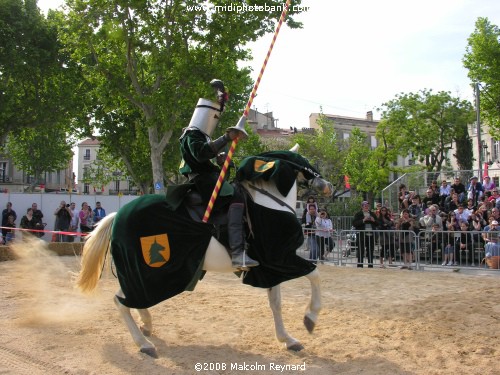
(345,207)
(482,59)
(39,86)
(364,166)
(424,124)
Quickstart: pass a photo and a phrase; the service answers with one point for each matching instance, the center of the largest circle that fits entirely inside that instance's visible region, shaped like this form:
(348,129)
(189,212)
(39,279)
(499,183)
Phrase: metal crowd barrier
(426,249)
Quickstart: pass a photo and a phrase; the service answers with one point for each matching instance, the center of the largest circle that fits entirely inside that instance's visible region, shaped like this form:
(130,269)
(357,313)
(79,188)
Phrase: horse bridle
(274,198)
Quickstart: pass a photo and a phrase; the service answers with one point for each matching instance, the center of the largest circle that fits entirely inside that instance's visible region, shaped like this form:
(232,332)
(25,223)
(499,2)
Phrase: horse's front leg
(314,306)
(144,344)
(274,295)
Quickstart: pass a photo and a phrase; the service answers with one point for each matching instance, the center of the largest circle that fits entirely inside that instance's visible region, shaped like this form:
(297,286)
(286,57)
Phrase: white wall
(49,202)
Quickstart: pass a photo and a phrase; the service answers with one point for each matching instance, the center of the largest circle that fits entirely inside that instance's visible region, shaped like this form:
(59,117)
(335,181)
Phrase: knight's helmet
(207,113)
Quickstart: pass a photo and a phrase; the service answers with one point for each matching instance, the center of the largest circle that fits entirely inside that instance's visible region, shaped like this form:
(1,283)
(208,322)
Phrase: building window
(495,150)
(86,156)
(373,142)
(346,135)
(3,172)
(86,188)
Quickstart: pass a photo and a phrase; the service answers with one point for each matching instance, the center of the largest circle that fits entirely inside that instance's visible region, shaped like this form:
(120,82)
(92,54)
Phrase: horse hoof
(146,332)
(150,351)
(297,347)
(308,322)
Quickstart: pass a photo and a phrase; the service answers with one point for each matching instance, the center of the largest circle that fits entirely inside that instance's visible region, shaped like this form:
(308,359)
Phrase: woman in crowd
(406,224)
(28,222)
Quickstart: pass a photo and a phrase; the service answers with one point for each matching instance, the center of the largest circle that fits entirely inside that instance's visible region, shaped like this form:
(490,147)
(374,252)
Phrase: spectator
(406,225)
(75,220)
(488,184)
(489,234)
(452,223)
(430,198)
(462,214)
(63,220)
(453,203)
(435,240)
(324,233)
(494,196)
(475,191)
(403,197)
(434,187)
(416,208)
(99,212)
(10,234)
(8,211)
(28,221)
(311,201)
(463,244)
(444,192)
(38,215)
(378,207)
(459,188)
(476,221)
(470,205)
(85,216)
(310,223)
(386,224)
(366,222)
(431,218)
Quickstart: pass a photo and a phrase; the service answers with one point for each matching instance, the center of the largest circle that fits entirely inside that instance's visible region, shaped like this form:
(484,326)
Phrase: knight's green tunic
(196,163)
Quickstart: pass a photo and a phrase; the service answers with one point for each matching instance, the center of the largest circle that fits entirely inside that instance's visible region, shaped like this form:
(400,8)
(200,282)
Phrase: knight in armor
(197,150)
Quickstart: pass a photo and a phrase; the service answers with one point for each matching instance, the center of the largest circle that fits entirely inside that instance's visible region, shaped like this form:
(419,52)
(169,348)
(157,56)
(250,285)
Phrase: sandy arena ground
(374,321)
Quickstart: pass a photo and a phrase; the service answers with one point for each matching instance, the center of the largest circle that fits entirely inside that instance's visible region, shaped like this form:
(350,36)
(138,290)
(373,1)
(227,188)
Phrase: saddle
(187,196)
(196,209)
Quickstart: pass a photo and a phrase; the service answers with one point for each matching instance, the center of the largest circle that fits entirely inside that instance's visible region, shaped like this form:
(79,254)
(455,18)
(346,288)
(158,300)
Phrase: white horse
(264,194)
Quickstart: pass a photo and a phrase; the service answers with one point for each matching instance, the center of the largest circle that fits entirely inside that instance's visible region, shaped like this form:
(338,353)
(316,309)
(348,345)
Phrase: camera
(67,205)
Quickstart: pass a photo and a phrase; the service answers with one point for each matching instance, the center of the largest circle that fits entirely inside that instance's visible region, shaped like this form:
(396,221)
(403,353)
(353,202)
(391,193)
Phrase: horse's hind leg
(144,344)
(147,322)
(314,306)
(274,295)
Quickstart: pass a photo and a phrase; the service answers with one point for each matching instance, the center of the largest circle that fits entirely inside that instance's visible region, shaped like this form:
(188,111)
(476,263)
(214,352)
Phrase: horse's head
(310,176)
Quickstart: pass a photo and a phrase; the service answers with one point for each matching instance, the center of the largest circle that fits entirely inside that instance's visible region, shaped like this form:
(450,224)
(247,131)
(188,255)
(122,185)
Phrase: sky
(350,57)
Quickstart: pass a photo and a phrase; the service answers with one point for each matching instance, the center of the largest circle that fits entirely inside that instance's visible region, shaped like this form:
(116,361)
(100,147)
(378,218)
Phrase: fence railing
(396,248)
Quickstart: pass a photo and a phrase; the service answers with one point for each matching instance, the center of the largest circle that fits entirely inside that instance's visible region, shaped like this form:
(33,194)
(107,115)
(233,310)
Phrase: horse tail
(94,254)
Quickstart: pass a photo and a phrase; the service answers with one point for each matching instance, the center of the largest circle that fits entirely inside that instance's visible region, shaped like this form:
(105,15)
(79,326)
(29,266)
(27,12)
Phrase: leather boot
(236,234)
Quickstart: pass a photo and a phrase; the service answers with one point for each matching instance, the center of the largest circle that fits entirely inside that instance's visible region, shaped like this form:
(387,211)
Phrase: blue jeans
(313,248)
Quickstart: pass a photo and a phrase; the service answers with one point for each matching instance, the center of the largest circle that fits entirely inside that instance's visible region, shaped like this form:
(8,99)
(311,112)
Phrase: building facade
(88,166)
(13,179)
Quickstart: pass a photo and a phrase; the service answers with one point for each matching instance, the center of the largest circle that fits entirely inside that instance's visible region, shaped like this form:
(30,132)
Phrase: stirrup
(243,262)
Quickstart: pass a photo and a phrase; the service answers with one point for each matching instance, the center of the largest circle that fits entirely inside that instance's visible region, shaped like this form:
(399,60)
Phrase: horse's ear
(295,148)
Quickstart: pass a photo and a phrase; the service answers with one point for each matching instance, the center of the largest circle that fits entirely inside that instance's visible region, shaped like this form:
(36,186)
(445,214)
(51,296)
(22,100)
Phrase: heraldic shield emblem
(155,250)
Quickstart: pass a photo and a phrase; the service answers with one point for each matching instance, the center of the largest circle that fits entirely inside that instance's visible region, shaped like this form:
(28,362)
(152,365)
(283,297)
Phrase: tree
(156,58)
(39,86)
(325,151)
(482,59)
(366,168)
(426,124)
